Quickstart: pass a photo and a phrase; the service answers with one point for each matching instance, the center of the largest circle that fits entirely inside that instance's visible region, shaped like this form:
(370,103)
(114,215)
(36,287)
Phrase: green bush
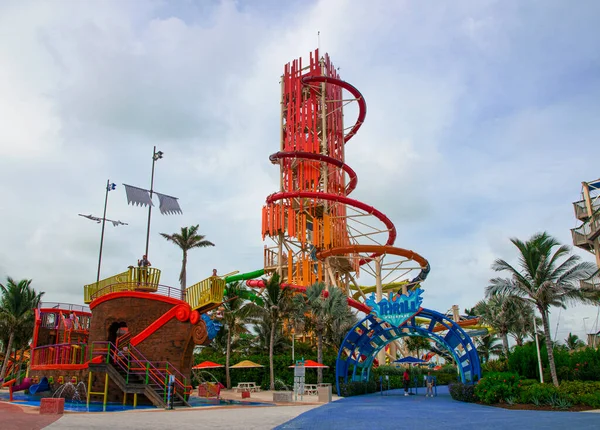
(528,382)
(582,365)
(540,392)
(443,376)
(495,366)
(578,388)
(462,392)
(357,388)
(496,387)
(592,400)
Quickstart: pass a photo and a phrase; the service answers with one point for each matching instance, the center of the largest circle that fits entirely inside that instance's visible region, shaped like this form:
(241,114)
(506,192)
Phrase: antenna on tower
(319,40)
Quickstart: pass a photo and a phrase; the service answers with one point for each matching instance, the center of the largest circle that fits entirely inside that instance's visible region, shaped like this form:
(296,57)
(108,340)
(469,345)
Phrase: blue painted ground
(395,411)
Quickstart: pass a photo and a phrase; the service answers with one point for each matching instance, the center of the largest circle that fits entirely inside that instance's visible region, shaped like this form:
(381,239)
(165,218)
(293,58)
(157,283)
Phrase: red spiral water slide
(308,217)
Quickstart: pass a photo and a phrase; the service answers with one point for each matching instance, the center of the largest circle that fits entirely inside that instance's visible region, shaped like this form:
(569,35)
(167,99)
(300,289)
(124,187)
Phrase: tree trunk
(21,360)
(320,356)
(548,337)
(271,372)
(7,355)
(227,355)
(505,344)
(182,275)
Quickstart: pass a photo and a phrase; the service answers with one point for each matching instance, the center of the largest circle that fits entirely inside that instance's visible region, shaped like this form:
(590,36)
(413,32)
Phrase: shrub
(462,392)
(539,392)
(578,388)
(528,382)
(592,400)
(495,366)
(496,387)
(357,388)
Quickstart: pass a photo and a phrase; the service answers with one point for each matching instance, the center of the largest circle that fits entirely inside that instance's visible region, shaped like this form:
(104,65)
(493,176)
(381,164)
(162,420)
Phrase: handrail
(163,290)
(170,369)
(59,354)
(64,306)
(206,294)
(134,362)
(147,277)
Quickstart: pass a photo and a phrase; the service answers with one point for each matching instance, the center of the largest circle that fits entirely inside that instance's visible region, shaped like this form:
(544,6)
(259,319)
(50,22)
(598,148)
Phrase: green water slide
(247,294)
(245,276)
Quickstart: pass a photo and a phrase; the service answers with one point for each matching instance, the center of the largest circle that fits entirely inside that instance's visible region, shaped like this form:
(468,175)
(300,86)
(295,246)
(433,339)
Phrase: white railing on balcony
(581,211)
(593,282)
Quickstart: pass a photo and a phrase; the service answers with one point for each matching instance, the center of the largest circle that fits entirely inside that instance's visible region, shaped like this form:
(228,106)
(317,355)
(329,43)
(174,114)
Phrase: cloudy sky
(482,122)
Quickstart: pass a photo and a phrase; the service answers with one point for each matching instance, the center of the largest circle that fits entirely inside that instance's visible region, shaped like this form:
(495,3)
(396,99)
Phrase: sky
(481,126)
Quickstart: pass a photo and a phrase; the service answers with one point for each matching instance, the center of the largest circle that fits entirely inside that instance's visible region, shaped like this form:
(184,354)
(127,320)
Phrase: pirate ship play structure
(141,337)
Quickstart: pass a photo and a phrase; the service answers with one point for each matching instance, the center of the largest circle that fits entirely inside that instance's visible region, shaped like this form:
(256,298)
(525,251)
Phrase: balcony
(134,279)
(585,234)
(591,283)
(206,295)
(581,211)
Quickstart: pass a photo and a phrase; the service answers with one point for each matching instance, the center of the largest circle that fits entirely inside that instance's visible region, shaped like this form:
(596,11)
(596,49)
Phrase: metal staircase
(134,374)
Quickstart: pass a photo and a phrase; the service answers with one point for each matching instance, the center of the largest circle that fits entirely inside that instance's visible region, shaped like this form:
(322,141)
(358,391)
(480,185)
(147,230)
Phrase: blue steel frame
(369,336)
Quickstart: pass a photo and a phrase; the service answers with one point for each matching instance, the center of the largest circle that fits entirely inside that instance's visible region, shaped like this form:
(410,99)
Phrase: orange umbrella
(207,365)
(311,364)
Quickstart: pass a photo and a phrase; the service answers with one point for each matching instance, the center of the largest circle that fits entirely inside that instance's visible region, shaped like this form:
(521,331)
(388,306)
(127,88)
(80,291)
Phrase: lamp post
(155,156)
(109,187)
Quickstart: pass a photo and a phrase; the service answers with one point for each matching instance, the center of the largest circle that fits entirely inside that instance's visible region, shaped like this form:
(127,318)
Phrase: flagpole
(102,234)
(155,156)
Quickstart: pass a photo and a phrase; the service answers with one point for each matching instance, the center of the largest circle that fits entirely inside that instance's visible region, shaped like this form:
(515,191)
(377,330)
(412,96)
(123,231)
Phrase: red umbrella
(207,365)
(310,364)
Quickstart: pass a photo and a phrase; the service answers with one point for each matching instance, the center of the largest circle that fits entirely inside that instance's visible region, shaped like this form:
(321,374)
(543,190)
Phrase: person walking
(406,379)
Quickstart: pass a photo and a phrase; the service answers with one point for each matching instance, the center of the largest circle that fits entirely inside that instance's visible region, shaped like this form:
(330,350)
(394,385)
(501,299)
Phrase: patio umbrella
(410,360)
(310,364)
(207,365)
(246,364)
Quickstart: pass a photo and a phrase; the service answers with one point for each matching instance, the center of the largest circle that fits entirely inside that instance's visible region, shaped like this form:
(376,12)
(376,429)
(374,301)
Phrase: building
(587,235)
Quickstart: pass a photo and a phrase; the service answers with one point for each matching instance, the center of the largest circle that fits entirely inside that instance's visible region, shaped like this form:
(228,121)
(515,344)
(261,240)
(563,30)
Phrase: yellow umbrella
(246,364)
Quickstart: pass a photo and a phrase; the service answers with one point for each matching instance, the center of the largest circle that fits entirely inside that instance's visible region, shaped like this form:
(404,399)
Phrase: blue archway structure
(369,336)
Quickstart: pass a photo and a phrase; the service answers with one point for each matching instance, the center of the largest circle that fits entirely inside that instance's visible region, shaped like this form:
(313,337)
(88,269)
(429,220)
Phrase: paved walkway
(251,417)
(395,411)
(13,417)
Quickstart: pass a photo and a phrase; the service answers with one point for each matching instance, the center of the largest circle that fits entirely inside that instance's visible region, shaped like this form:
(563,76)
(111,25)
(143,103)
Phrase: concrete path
(14,417)
(395,411)
(251,417)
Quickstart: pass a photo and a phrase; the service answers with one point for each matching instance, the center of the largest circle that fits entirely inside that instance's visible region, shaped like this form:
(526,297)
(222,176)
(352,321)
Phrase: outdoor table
(247,386)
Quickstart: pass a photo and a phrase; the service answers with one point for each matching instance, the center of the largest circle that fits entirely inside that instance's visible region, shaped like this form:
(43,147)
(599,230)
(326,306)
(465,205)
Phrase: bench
(247,386)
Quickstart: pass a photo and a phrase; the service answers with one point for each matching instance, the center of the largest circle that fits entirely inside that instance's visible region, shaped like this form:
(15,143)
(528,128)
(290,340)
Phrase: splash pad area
(75,402)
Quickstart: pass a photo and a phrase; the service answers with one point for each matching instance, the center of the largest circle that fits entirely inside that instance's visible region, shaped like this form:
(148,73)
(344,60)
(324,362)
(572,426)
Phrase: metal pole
(537,347)
(293,338)
(102,234)
(150,206)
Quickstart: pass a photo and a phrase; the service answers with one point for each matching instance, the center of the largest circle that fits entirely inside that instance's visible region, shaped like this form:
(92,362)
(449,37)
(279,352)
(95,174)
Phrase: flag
(138,196)
(168,205)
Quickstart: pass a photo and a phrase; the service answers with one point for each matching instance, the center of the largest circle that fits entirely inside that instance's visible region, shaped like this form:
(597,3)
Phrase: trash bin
(324,392)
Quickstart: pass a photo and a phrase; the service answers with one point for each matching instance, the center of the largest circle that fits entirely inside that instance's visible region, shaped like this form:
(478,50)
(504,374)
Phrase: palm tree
(416,344)
(488,345)
(236,313)
(572,342)
(522,325)
(186,240)
(498,311)
(276,305)
(16,310)
(542,280)
(321,313)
